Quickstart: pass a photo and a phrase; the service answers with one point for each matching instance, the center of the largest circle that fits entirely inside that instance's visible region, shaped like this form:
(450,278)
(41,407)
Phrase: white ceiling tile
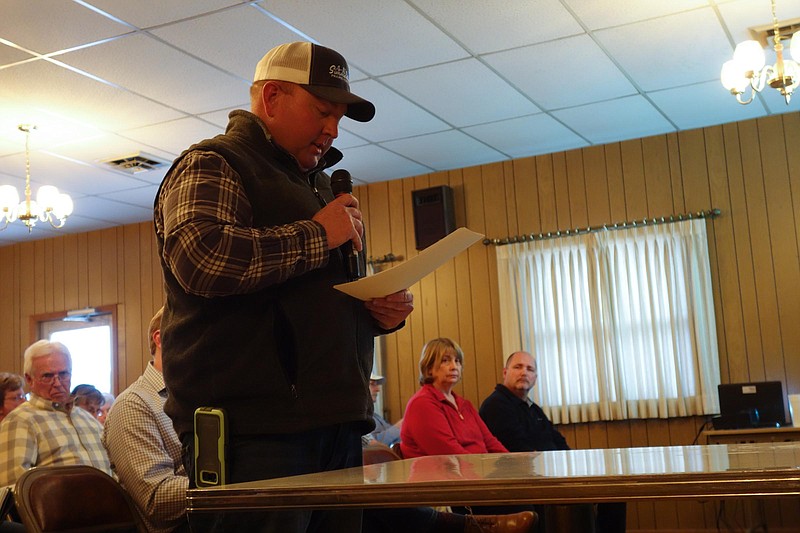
(597,15)
(97,208)
(8,147)
(153,177)
(107,146)
(526,136)
(75,178)
(10,174)
(461,93)
(631,117)
(445,150)
(143,197)
(78,98)
(175,79)
(372,163)
(233,40)
(389,107)
(147,13)
(557,74)
(9,55)
(378,37)
(775,102)
(175,136)
(220,118)
(670,51)
(347,139)
(66,24)
(493,25)
(48,129)
(717,104)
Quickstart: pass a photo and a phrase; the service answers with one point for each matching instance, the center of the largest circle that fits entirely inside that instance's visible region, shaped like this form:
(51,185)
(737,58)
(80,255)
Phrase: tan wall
(114,266)
(745,169)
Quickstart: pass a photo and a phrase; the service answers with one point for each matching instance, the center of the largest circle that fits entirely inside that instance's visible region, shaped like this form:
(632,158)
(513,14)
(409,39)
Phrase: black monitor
(749,405)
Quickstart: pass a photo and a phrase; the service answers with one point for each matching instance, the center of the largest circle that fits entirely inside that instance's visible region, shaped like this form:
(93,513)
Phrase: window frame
(35,334)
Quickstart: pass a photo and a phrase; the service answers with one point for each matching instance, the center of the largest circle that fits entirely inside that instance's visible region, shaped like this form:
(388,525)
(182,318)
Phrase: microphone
(354,262)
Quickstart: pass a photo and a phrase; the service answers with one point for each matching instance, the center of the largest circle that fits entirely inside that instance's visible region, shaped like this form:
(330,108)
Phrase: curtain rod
(388,258)
(710,213)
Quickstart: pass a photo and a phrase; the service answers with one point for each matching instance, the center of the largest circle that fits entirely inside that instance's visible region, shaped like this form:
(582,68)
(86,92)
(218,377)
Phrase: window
(88,334)
(621,322)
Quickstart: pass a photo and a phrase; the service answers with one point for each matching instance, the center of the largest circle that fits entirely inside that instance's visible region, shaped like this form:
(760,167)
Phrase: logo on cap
(340,72)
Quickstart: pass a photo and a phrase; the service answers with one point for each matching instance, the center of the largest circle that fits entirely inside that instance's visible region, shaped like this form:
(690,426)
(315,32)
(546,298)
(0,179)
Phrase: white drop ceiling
(456,83)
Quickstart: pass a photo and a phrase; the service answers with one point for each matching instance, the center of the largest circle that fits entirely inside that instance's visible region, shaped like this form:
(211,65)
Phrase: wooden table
(557,477)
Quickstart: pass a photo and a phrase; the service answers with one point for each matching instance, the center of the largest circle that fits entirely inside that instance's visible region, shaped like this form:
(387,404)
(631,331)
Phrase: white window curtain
(621,322)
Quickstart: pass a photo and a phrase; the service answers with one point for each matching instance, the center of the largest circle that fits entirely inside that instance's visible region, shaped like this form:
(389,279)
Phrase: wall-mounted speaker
(434,216)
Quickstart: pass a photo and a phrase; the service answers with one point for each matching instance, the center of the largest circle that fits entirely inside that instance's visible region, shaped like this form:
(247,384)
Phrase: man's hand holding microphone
(341,219)
(343,225)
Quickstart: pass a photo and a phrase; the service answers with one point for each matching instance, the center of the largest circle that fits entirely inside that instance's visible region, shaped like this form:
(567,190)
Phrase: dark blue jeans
(255,457)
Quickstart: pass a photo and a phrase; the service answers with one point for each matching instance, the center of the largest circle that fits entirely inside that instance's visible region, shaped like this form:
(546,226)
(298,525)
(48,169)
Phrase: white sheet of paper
(409,272)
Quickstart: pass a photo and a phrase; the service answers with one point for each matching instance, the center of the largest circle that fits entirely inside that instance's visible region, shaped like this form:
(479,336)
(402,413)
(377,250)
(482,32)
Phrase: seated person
(522,426)
(384,432)
(88,398)
(47,429)
(437,420)
(144,449)
(106,407)
(13,396)
(11,391)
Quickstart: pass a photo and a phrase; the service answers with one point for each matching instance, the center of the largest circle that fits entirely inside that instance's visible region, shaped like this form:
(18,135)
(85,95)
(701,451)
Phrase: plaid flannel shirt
(43,433)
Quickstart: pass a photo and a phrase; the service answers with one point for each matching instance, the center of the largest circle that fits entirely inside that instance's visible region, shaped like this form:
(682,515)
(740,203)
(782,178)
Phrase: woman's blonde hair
(432,354)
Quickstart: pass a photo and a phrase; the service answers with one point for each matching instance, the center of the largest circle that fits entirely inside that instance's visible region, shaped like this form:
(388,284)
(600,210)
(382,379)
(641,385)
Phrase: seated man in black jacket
(522,426)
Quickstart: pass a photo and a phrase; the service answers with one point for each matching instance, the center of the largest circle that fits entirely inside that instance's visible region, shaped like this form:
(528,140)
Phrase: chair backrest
(396,449)
(375,453)
(75,498)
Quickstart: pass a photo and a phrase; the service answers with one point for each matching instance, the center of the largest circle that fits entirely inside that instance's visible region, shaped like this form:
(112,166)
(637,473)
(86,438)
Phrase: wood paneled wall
(114,266)
(750,170)
(745,169)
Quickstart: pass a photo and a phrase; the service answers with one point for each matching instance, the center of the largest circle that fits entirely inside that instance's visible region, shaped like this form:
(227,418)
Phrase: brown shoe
(501,523)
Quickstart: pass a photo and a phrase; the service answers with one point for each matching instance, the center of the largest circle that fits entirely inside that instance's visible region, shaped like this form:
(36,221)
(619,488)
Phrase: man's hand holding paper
(391,310)
(396,279)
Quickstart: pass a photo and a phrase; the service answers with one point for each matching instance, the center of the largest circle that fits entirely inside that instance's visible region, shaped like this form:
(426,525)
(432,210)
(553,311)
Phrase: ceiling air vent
(136,163)
(763,34)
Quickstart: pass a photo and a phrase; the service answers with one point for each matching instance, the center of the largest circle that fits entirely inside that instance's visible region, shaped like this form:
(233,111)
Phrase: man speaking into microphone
(250,237)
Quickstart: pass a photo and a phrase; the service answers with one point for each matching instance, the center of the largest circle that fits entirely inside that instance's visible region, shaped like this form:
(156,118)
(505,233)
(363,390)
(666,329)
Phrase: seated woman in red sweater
(438,421)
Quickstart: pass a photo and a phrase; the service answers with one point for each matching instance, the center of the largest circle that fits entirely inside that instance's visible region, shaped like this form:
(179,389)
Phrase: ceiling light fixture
(50,205)
(747,67)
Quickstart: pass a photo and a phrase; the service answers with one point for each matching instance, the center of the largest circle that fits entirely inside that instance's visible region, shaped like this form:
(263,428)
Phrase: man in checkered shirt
(48,430)
(144,449)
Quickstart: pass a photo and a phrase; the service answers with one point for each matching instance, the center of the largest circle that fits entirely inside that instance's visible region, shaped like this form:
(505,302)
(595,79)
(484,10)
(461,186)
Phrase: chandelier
(50,205)
(747,69)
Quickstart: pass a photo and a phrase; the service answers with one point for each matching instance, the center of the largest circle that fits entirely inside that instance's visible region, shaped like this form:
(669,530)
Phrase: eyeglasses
(48,377)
